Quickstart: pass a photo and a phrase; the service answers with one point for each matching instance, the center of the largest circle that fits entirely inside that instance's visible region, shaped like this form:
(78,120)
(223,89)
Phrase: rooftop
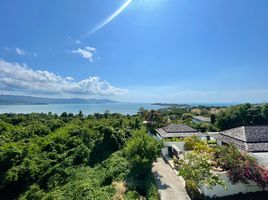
(178,131)
(178,128)
(202,119)
(248,133)
(248,138)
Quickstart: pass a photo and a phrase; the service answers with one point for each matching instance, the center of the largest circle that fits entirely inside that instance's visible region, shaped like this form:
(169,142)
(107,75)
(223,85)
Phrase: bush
(241,167)
(132,195)
(192,190)
(141,151)
(34,193)
(75,157)
(152,192)
(197,168)
(191,142)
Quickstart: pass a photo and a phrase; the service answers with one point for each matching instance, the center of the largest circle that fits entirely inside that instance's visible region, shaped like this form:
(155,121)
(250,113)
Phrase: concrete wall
(180,145)
(164,151)
(219,191)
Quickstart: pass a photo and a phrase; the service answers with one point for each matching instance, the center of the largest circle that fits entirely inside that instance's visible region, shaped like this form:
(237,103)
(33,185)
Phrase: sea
(123,108)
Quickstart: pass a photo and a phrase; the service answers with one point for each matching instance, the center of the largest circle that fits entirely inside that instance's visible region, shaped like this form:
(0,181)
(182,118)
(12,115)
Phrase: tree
(156,119)
(213,118)
(191,142)
(242,115)
(80,114)
(198,170)
(46,156)
(143,113)
(64,115)
(265,113)
(141,151)
(187,117)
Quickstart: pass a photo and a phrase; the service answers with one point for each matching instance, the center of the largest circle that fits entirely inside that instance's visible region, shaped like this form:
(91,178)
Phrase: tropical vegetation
(202,161)
(100,156)
(222,118)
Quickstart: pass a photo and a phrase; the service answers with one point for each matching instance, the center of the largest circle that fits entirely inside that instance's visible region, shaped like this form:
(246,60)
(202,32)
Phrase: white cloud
(77,42)
(87,53)
(17,77)
(21,52)
(92,49)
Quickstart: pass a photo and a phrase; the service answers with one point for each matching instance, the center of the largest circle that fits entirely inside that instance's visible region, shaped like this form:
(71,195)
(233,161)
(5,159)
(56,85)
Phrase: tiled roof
(256,133)
(248,133)
(202,119)
(248,138)
(235,133)
(178,128)
(178,131)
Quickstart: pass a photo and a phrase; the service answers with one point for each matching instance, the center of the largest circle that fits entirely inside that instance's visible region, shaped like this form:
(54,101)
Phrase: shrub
(190,143)
(121,189)
(195,143)
(198,169)
(132,195)
(152,192)
(34,193)
(141,151)
(192,190)
(240,166)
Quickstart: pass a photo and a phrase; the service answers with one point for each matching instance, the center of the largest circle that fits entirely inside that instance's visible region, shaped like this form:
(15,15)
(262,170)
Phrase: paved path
(168,184)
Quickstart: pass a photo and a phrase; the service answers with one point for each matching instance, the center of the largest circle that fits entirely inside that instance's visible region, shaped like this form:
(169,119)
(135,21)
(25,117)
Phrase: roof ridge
(244,133)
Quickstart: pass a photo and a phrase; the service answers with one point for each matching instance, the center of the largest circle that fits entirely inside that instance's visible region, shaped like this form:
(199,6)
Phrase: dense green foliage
(242,115)
(141,151)
(46,156)
(222,118)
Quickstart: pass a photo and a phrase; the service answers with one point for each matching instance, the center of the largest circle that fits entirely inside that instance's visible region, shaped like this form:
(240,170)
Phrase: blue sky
(152,51)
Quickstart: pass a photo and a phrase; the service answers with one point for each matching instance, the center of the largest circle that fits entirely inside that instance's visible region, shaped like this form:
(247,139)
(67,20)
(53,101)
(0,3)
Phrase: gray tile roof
(178,128)
(178,131)
(248,138)
(256,133)
(202,119)
(248,133)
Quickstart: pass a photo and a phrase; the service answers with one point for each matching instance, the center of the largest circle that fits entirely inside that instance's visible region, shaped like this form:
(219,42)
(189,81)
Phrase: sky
(174,51)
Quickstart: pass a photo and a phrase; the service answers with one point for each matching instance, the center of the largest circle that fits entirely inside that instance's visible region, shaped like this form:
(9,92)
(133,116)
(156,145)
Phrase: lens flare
(108,19)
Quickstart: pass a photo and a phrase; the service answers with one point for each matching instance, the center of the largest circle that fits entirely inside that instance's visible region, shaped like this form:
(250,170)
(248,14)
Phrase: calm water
(123,108)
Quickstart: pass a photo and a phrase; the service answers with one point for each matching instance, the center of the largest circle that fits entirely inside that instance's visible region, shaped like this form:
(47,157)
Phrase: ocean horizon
(123,108)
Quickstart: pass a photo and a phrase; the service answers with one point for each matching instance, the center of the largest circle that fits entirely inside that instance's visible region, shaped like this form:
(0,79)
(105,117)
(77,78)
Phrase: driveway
(168,184)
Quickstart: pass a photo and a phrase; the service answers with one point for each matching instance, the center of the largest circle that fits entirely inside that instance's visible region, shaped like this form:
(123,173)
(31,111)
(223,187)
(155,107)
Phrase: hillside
(29,100)
(71,157)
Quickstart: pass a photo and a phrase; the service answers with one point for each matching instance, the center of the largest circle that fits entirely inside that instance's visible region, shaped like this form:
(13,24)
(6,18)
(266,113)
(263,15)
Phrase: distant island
(199,105)
(171,104)
(29,100)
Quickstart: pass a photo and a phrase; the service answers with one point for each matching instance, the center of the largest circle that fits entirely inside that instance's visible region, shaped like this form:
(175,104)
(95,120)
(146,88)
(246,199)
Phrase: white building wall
(178,144)
(219,191)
